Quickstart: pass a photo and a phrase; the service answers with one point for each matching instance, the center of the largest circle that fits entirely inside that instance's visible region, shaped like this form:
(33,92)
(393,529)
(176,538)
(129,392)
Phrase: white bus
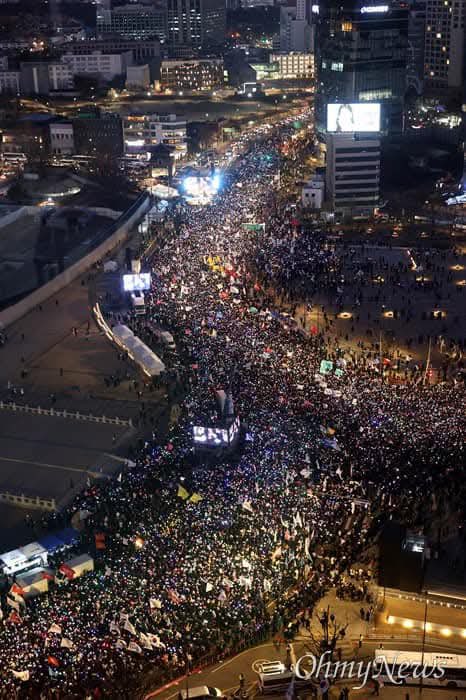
(439,669)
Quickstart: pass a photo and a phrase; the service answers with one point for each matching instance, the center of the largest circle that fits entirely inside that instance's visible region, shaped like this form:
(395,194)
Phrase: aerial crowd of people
(197,545)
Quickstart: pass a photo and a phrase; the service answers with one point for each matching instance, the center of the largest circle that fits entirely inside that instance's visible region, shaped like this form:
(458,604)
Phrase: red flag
(17,589)
(53,661)
(67,571)
(47,576)
(14,617)
(314,330)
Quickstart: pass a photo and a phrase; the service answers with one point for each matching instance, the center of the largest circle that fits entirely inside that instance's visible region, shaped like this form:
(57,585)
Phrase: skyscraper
(196,24)
(416,40)
(444,44)
(296,33)
(361,57)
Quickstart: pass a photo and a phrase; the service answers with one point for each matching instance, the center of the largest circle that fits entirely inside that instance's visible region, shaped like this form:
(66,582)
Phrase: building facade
(192,75)
(142,50)
(296,34)
(313,193)
(361,57)
(104,65)
(60,76)
(98,134)
(196,24)
(416,40)
(294,65)
(141,132)
(138,77)
(10,82)
(136,22)
(352,176)
(61,138)
(444,44)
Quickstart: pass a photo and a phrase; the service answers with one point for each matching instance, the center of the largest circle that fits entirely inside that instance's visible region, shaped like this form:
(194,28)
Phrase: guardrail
(75,415)
(23,501)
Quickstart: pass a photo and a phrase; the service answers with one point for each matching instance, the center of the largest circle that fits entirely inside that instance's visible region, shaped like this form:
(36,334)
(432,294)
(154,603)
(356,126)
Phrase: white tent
(149,362)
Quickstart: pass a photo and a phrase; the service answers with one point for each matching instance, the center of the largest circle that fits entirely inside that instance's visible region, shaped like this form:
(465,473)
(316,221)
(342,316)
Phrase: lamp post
(423,642)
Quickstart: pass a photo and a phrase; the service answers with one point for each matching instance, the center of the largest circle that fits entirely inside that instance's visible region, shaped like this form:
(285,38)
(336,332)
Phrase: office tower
(296,34)
(137,22)
(196,24)
(361,57)
(416,39)
(444,45)
(352,176)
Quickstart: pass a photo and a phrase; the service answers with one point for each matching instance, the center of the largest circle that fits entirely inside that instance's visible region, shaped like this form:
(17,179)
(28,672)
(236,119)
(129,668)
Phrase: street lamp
(423,640)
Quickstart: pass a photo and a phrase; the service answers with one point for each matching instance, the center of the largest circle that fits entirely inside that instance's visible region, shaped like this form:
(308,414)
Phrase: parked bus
(439,669)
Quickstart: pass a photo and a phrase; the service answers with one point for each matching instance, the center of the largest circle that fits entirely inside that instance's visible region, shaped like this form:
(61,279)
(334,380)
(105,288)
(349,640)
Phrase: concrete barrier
(18,214)
(20,500)
(118,232)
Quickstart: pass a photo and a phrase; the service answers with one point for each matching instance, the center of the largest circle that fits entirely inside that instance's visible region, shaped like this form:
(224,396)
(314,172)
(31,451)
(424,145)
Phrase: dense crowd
(197,546)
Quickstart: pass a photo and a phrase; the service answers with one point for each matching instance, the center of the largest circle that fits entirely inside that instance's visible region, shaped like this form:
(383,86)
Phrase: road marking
(246,651)
(44,464)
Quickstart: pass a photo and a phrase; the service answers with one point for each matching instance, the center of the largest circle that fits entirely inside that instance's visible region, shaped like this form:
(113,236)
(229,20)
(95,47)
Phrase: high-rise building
(444,44)
(196,24)
(352,175)
(296,34)
(133,21)
(416,39)
(361,57)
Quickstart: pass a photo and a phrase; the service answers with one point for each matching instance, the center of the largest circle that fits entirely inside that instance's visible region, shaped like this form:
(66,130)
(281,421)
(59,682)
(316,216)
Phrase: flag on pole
(129,628)
(132,646)
(195,498)
(67,571)
(14,617)
(247,506)
(145,641)
(66,643)
(182,493)
(21,675)
(13,604)
(155,604)
(17,590)
(54,629)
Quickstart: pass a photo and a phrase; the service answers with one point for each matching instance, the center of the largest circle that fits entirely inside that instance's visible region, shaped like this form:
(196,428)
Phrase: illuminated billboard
(345,118)
(216,437)
(137,283)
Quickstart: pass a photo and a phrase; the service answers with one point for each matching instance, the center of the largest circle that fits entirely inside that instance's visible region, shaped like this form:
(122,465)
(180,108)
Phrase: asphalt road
(225,676)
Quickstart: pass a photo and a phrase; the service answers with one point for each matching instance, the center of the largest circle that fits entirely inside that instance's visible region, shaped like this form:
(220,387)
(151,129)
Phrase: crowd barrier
(56,413)
(22,501)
